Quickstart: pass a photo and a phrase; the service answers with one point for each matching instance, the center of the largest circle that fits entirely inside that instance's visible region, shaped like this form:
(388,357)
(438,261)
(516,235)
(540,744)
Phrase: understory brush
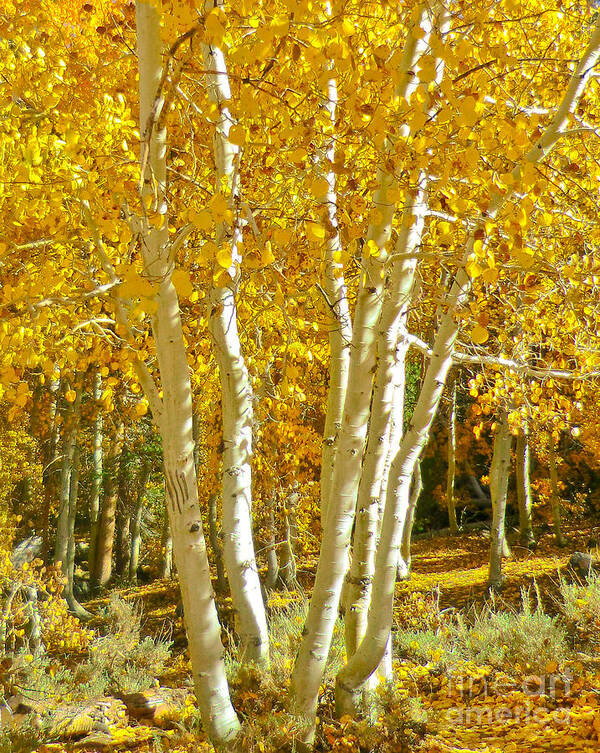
(580,607)
(120,661)
(498,636)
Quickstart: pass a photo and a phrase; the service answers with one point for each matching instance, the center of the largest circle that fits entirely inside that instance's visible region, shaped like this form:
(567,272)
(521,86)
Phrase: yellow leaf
(224,258)
(319,188)
(267,256)
(315,232)
(371,248)
(282,236)
(214,27)
(202,220)
(479,334)
(490,275)
(473,269)
(237,135)
(136,286)
(70,396)
(182,282)
(141,409)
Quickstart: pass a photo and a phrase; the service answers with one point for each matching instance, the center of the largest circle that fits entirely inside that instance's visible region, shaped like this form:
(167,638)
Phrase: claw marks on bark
(177,489)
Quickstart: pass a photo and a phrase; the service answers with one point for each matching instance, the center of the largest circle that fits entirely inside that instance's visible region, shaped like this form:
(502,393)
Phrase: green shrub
(580,606)
(525,639)
(501,638)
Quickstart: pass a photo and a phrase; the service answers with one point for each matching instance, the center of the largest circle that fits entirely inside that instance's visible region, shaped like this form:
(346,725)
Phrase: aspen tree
(236,389)
(173,413)
(332,565)
(363,663)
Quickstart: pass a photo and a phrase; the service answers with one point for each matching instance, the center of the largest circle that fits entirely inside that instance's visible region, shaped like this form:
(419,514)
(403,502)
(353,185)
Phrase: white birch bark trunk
(554,493)
(388,390)
(236,395)
(499,473)
(524,488)
(363,663)
(175,419)
(339,320)
(332,566)
(450,479)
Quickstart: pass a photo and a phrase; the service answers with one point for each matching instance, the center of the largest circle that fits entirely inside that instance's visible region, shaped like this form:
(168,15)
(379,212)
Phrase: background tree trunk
(135,525)
(70,431)
(526,536)
(69,565)
(106,528)
(451,461)
(499,473)
(215,542)
(96,493)
(555,493)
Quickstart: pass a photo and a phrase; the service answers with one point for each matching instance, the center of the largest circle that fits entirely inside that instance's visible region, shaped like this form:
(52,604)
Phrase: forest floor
(435,705)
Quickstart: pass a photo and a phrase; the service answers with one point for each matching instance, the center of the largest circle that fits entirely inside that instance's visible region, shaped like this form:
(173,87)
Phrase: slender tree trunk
(405,559)
(96,474)
(272,559)
(51,464)
(167,552)
(287,558)
(70,431)
(499,474)
(122,518)
(106,527)
(69,565)
(173,413)
(339,320)
(213,532)
(554,493)
(333,560)
(236,393)
(363,663)
(452,461)
(524,489)
(135,525)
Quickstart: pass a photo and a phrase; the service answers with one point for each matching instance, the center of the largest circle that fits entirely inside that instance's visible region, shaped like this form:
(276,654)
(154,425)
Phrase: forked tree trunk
(387,402)
(555,493)
(236,391)
(96,492)
(353,676)
(451,461)
(135,525)
(70,431)
(173,414)
(333,559)
(526,536)
(499,473)
(106,527)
